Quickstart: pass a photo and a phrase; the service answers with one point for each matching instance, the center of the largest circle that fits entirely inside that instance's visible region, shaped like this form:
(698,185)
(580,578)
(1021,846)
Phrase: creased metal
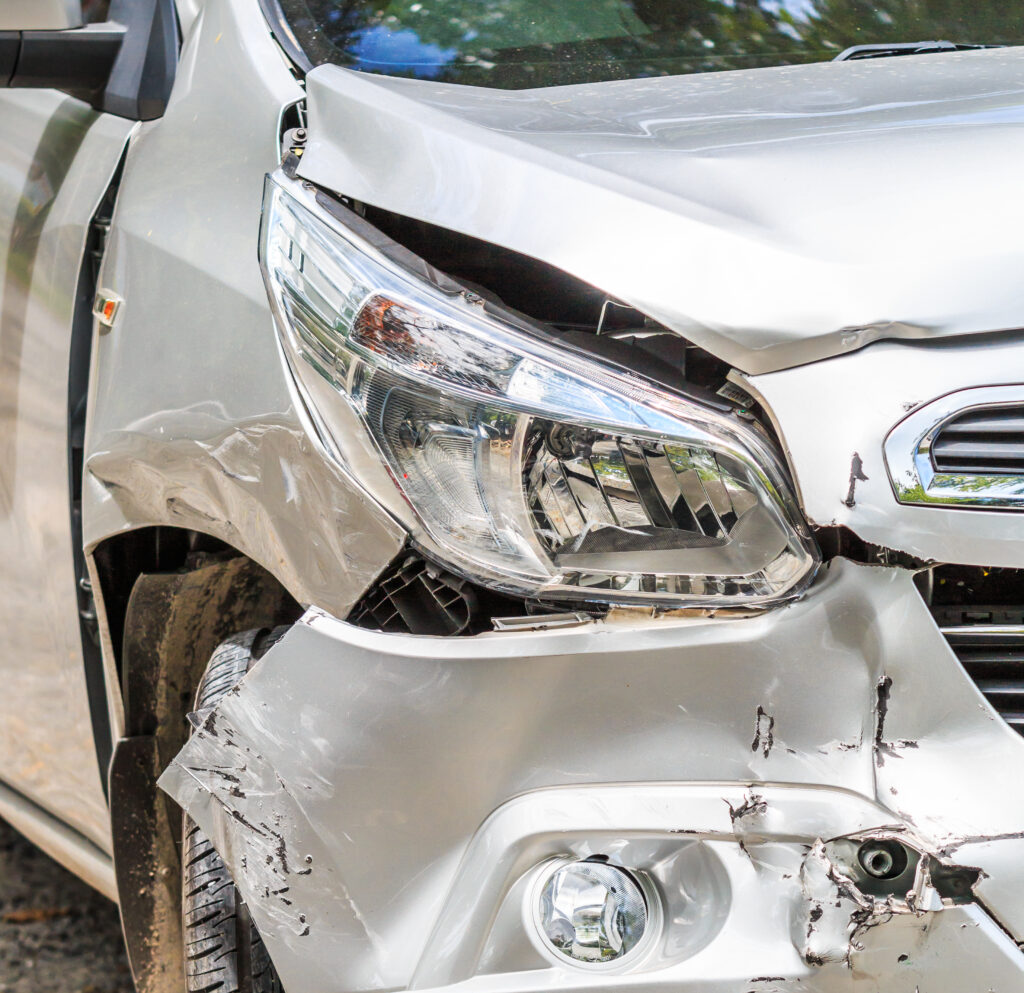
(773,216)
(383,798)
(194,422)
(260,485)
(858,400)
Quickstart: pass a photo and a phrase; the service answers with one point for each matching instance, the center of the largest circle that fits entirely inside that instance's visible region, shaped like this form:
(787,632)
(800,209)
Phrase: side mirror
(124,66)
(40,15)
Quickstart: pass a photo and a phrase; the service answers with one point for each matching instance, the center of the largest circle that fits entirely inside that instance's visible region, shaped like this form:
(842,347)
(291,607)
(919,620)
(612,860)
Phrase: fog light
(592,912)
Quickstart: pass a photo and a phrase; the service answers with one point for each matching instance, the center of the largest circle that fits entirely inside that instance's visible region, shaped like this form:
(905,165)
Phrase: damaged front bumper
(385,801)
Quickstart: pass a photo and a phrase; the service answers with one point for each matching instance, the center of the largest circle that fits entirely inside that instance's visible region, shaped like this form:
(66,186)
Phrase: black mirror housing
(124,66)
(77,62)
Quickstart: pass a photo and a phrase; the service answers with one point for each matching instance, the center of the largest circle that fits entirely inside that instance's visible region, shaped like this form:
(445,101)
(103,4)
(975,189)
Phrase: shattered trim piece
(838,912)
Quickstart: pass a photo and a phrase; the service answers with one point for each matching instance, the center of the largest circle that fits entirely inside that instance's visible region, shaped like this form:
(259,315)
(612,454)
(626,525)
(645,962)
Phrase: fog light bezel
(626,962)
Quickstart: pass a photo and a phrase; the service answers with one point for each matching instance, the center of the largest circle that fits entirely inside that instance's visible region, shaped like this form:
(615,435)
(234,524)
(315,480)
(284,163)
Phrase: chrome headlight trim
(912,473)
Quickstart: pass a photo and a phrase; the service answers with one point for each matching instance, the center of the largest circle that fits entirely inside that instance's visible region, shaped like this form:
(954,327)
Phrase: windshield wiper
(904,48)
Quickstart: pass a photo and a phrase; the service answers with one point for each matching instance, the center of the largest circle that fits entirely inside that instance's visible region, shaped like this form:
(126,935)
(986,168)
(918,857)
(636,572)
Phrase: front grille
(985,441)
(989,641)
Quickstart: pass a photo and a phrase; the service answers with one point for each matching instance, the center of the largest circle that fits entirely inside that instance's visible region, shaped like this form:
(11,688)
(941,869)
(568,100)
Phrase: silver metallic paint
(396,782)
(391,790)
(58,157)
(828,411)
(188,11)
(40,15)
(61,842)
(193,421)
(773,216)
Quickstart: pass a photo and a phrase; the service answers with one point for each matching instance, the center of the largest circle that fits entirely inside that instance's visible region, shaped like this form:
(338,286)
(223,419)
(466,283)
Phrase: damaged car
(509,496)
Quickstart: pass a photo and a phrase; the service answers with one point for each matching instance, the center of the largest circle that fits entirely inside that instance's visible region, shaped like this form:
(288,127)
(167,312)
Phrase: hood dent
(773,216)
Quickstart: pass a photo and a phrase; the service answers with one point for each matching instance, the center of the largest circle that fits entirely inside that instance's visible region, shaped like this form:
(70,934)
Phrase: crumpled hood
(773,216)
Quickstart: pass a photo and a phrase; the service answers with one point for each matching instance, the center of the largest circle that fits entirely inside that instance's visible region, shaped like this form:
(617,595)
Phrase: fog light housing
(592,912)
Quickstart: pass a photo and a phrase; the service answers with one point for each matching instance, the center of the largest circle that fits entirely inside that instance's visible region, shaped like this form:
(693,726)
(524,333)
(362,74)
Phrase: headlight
(528,467)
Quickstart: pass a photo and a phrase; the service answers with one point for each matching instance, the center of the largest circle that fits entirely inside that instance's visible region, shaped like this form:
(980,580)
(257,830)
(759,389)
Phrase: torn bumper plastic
(385,801)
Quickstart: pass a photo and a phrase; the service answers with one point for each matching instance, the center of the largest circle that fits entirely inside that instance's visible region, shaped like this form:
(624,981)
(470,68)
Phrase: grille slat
(987,423)
(1000,688)
(993,655)
(986,441)
(988,633)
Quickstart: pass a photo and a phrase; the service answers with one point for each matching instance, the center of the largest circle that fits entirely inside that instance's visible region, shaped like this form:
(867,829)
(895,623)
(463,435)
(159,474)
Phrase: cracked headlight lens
(528,467)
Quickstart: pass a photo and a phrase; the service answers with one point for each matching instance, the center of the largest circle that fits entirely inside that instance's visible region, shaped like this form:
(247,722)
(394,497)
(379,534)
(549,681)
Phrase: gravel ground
(56,934)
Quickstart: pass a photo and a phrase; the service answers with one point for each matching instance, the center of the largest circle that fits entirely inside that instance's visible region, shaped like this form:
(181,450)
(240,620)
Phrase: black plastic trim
(124,66)
(77,62)
(888,49)
(141,78)
(283,34)
(78,388)
(981,441)
(10,45)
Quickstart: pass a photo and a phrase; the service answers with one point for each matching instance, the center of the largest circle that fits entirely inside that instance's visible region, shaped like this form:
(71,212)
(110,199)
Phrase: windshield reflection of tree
(540,42)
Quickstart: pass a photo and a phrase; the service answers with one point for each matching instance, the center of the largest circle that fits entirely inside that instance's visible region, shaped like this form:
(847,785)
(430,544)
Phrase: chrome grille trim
(974,631)
(911,463)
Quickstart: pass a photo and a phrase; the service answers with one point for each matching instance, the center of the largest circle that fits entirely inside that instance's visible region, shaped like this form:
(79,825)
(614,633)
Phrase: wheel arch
(166,597)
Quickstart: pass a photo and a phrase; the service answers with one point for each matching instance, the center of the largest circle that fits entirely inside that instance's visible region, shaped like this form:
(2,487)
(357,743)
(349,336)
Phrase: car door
(59,155)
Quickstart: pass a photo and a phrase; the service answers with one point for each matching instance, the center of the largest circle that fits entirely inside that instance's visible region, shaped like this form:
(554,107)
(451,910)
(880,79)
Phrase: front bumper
(382,800)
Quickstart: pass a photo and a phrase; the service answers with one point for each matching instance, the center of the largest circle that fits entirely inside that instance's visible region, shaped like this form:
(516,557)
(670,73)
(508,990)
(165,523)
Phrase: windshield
(515,44)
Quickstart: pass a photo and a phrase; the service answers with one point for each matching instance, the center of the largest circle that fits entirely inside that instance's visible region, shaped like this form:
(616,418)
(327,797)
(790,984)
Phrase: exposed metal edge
(71,849)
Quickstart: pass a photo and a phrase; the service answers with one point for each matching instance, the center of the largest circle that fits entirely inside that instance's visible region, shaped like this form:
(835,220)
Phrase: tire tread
(210,902)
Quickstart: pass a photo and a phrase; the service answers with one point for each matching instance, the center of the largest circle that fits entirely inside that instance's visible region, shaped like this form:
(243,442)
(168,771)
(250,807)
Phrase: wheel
(223,950)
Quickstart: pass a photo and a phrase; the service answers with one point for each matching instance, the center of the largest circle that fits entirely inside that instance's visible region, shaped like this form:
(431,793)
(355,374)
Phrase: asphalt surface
(56,934)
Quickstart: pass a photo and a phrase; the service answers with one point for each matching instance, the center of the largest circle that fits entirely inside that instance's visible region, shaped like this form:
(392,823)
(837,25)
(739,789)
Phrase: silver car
(491,502)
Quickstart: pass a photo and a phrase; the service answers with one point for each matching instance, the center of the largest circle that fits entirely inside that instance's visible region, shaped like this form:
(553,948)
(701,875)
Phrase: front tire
(224,952)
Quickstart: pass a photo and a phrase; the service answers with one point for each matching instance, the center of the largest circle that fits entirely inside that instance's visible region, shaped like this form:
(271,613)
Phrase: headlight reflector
(528,467)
